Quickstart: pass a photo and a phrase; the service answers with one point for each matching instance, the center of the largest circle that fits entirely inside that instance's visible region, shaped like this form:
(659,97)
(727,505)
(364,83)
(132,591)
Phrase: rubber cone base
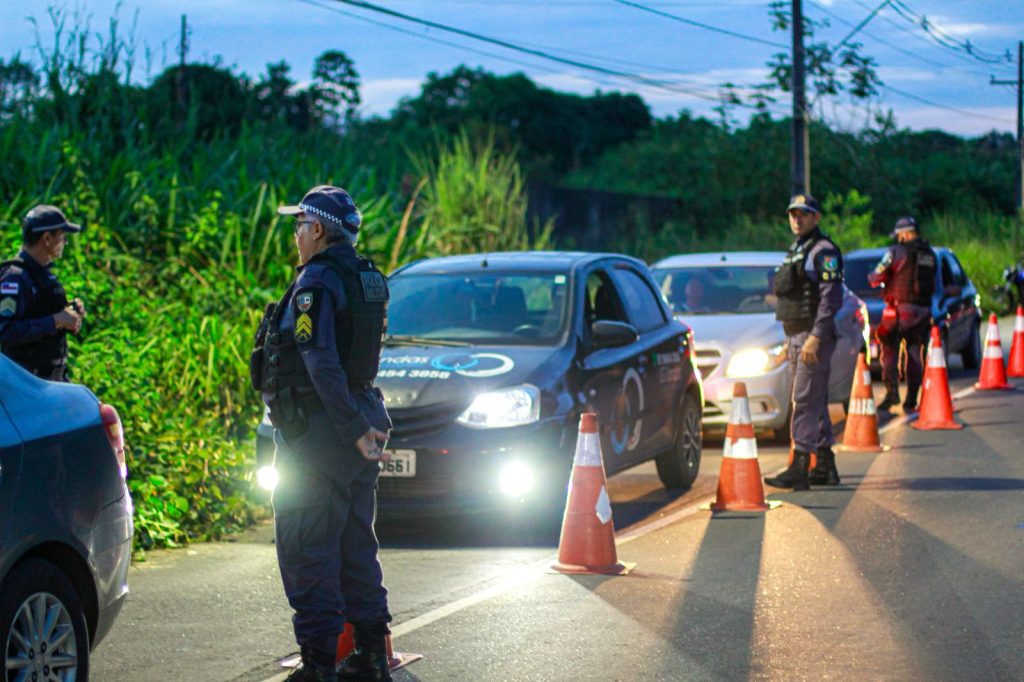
(618,568)
(936,426)
(733,507)
(998,387)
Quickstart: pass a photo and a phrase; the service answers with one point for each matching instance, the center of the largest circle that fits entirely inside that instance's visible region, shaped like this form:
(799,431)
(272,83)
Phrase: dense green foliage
(178,180)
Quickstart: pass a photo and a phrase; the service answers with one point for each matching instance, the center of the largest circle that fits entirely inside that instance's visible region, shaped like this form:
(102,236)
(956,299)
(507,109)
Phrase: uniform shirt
(893,262)
(824,265)
(17,293)
(318,297)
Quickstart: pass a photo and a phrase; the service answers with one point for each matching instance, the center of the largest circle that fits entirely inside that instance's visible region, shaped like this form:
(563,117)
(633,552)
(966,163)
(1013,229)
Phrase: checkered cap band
(351,222)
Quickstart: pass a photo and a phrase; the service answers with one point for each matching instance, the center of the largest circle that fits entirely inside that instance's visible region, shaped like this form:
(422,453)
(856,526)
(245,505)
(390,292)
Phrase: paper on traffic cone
(739,481)
(936,403)
(1015,367)
(993,371)
(861,430)
(587,543)
(397,659)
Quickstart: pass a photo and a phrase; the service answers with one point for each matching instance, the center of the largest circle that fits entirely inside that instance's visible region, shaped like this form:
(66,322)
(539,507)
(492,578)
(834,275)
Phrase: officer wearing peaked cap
(35,314)
(317,354)
(809,289)
(907,271)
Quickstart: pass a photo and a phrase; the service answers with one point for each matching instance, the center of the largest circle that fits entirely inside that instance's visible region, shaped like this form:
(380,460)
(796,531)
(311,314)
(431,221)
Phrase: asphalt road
(910,569)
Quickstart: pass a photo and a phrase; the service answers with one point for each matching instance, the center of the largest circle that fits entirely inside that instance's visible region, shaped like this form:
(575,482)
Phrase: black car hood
(418,376)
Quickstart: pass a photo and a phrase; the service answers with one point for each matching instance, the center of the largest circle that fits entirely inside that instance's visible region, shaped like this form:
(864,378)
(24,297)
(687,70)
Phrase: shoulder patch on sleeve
(9,288)
(8,306)
(829,265)
(307,309)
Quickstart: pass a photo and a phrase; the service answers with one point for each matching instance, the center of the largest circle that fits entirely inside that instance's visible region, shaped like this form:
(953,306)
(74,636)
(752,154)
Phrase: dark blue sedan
(955,303)
(65,525)
(492,358)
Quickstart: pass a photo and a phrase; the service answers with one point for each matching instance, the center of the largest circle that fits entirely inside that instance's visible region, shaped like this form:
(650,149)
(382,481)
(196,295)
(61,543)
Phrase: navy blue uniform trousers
(324,509)
(812,426)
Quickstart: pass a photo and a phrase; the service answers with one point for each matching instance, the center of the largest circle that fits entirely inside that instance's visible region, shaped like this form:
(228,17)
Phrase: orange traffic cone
(346,644)
(1015,368)
(936,403)
(587,543)
(861,430)
(993,370)
(739,482)
(397,659)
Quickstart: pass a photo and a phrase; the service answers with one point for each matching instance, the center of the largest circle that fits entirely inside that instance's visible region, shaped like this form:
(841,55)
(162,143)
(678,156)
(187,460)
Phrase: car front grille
(424,486)
(708,361)
(421,421)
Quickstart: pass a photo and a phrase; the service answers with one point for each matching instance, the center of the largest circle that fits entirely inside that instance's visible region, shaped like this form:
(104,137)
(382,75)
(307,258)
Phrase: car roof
(512,260)
(877,252)
(722,259)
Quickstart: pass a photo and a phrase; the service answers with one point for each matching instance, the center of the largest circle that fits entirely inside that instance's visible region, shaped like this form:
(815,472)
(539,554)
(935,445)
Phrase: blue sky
(248,34)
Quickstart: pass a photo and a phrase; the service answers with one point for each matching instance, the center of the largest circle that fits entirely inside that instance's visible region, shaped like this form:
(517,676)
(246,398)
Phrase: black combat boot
(795,476)
(892,396)
(316,666)
(824,472)
(369,662)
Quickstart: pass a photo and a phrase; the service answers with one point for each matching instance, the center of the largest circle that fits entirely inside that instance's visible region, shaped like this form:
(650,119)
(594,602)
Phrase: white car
(726,299)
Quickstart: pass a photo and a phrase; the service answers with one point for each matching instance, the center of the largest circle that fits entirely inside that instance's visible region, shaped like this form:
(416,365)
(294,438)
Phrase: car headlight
(516,479)
(508,407)
(752,362)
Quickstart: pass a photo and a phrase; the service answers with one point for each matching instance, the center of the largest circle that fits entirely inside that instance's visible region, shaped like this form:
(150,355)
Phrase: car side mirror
(609,334)
(952,291)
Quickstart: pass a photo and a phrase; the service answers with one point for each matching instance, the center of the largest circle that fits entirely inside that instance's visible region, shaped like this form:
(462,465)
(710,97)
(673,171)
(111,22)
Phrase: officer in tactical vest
(317,354)
(35,314)
(809,291)
(907,271)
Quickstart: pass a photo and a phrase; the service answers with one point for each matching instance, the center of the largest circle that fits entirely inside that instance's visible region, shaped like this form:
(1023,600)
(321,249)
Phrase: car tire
(678,467)
(971,355)
(36,584)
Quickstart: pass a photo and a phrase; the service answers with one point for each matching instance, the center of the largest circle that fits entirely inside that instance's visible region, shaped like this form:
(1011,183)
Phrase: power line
(943,38)
(651,82)
(707,27)
(862,24)
(929,102)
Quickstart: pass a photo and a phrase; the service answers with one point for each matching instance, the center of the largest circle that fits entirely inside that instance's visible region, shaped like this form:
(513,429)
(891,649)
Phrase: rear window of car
(498,308)
(855,273)
(719,290)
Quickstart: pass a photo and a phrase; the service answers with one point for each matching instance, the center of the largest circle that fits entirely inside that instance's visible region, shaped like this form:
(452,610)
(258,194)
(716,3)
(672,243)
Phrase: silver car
(726,299)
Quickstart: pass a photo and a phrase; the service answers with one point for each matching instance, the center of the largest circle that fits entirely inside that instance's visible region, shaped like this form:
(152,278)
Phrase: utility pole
(801,157)
(1020,142)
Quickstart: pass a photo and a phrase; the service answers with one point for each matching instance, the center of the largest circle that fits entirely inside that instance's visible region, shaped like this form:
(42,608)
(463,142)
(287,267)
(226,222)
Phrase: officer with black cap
(809,289)
(907,272)
(35,314)
(317,354)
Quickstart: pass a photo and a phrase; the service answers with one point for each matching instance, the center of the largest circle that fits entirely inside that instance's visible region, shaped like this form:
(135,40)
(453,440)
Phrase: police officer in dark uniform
(316,357)
(35,314)
(809,291)
(907,271)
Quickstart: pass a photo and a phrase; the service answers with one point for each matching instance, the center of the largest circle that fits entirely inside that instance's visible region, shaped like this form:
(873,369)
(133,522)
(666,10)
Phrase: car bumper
(111,556)
(768,398)
(458,469)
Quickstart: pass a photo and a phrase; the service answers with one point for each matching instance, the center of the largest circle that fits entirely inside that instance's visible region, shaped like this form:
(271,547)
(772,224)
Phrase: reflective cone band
(936,403)
(587,543)
(1015,368)
(861,430)
(993,371)
(739,482)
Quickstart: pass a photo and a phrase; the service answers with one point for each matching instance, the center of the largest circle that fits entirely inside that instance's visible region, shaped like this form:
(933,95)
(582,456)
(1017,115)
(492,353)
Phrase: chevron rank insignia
(303,328)
(8,306)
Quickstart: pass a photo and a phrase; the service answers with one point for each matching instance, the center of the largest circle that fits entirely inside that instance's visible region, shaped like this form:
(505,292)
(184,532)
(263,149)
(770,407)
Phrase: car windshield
(855,273)
(718,290)
(495,308)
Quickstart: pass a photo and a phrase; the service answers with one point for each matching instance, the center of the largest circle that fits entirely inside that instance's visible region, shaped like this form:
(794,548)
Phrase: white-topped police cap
(329,202)
(44,218)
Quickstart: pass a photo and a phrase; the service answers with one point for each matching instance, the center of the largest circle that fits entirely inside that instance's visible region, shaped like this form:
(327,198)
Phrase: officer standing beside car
(35,314)
(809,291)
(316,357)
(907,271)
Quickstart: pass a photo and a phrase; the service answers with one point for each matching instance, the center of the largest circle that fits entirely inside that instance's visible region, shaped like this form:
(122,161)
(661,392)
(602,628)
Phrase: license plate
(401,465)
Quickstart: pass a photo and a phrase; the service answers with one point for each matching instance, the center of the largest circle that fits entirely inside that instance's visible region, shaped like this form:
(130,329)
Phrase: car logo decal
(475,365)
(627,422)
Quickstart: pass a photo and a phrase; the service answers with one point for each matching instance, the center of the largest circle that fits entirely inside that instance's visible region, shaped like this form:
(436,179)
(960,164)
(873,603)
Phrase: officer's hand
(68,319)
(371,446)
(79,307)
(809,351)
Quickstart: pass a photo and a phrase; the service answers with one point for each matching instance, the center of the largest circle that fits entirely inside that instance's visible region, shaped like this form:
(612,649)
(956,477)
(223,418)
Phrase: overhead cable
(707,27)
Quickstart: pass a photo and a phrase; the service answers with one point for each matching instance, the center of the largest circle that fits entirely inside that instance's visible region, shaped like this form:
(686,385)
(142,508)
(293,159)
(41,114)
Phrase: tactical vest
(276,363)
(915,283)
(798,295)
(45,357)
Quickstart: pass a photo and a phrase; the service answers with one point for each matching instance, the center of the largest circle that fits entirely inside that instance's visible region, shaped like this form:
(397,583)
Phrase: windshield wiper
(410,340)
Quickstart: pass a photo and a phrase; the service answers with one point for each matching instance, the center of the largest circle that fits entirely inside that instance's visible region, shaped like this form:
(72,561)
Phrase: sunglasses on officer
(300,223)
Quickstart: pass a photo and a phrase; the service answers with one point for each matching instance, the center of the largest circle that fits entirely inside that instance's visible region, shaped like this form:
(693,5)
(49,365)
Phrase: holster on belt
(288,414)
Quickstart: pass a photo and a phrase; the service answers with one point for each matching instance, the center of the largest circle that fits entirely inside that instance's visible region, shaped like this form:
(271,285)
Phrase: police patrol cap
(905,224)
(804,202)
(44,218)
(329,202)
